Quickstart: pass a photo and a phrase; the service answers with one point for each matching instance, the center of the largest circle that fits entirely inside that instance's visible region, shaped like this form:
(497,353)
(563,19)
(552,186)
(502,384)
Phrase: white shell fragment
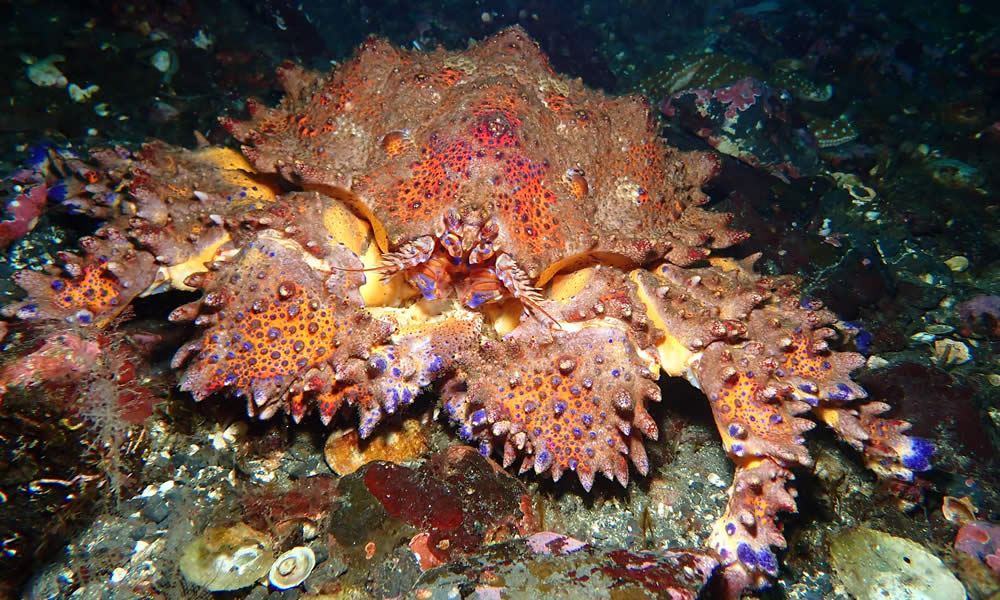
(292,568)
(44,73)
(79,94)
(161,61)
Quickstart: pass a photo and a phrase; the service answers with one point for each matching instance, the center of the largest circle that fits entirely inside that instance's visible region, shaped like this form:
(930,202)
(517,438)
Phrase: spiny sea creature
(540,259)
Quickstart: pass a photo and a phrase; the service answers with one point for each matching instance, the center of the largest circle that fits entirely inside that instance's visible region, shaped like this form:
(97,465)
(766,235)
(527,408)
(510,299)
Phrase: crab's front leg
(517,283)
(409,256)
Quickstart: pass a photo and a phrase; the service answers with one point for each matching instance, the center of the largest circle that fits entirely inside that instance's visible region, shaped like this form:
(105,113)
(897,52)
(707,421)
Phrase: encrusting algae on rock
(476,224)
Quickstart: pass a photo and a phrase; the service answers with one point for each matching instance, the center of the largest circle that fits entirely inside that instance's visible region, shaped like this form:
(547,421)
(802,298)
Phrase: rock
(227,558)
(156,509)
(550,565)
(398,442)
(957,263)
(258,593)
(951,352)
(872,565)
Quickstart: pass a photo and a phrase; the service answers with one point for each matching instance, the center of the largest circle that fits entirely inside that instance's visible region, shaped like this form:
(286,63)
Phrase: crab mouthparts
(463,260)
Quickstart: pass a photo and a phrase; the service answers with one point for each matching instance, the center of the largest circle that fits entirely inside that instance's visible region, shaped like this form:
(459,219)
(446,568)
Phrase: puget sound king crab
(473,223)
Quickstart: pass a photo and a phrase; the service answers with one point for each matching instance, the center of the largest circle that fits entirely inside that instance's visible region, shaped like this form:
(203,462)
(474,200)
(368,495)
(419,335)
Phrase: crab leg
(516,281)
(410,255)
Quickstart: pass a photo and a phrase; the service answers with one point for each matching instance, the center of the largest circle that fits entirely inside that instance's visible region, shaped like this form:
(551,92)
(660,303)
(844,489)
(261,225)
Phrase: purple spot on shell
(918,457)
(767,561)
(478,418)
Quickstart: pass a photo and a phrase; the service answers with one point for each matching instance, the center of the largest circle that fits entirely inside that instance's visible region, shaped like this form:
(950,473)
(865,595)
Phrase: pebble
(951,352)
(161,61)
(156,510)
(44,73)
(939,329)
(957,263)
(257,593)
(79,94)
(923,337)
(877,362)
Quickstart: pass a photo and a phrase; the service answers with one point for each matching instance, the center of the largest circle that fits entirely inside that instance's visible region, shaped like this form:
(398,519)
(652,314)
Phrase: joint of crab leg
(482,251)
(452,244)
(485,288)
(431,278)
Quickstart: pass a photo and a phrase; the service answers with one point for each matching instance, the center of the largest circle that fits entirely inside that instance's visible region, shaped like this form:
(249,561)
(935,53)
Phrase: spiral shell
(292,568)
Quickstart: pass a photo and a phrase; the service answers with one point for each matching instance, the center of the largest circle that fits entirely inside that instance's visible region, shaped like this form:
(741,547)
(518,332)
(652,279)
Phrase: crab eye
(395,142)
(577,182)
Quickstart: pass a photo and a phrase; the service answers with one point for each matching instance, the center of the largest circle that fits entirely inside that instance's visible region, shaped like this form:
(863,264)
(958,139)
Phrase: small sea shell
(292,567)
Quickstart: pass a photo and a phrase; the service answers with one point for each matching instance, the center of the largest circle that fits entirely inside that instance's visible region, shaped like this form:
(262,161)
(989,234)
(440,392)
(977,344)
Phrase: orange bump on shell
(747,423)
(95,290)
